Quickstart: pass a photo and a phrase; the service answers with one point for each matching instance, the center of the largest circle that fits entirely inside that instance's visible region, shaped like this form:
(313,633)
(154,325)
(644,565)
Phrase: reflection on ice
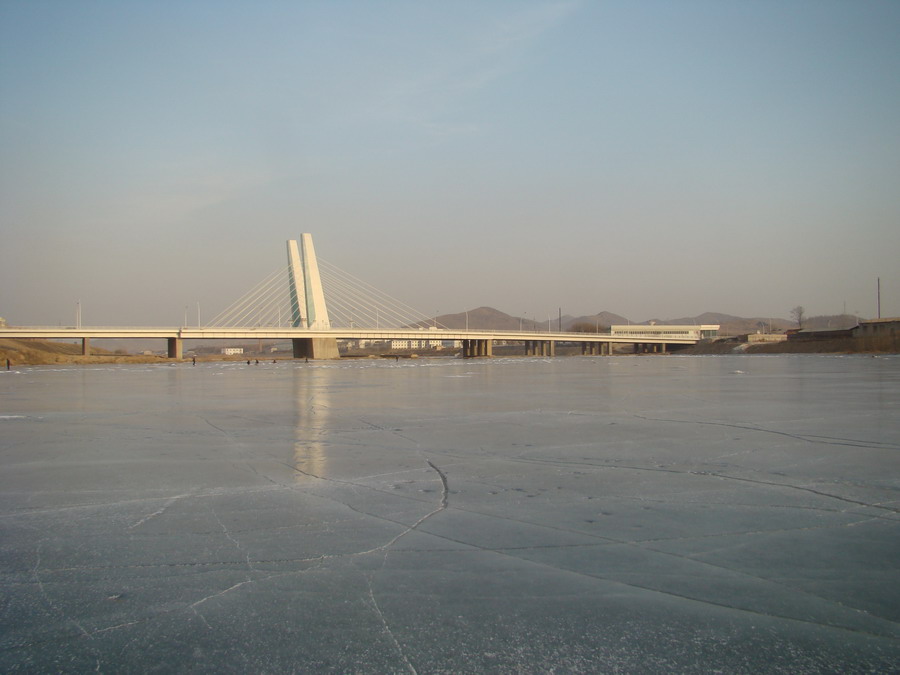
(311,426)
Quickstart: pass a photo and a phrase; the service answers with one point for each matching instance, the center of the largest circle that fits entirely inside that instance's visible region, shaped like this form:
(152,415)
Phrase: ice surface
(571,515)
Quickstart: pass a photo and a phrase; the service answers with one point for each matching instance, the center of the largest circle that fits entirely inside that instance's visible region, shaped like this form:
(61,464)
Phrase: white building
(232,351)
(694,332)
(417,344)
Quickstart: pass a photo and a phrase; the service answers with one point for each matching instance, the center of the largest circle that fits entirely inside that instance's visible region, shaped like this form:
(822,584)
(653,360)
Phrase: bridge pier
(315,348)
(175,348)
(592,348)
(475,348)
(649,348)
(540,348)
(85,346)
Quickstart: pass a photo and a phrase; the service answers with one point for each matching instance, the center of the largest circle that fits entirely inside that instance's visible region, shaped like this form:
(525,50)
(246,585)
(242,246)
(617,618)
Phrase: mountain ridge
(490,318)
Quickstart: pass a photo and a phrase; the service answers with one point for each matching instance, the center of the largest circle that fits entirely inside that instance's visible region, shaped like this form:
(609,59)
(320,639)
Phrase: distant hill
(482,318)
(606,319)
(706,317)
(488,318)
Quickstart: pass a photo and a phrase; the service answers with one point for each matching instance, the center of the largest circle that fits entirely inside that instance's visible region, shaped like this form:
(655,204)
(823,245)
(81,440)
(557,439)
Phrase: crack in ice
(159,511)
(35,574)
(808,438)
(386,629)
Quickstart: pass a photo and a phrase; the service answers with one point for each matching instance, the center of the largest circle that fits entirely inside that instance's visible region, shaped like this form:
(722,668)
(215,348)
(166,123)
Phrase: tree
(798,313)
(585,327)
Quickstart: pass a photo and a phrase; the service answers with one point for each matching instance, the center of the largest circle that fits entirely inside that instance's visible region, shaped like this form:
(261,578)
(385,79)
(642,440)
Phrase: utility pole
(879,297)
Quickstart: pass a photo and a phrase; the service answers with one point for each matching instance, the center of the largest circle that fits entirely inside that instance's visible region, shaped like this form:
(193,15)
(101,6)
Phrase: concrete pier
(592,348)
(175,347)
(477,348)
(86,346)
(315,348)
(540,348)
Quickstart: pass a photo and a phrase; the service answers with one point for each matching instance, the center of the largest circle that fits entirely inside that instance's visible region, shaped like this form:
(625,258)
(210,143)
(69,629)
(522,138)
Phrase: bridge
(302,307)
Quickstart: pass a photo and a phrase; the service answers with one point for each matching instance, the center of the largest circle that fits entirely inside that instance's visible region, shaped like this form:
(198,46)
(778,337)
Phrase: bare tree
(798,313)
(585,327)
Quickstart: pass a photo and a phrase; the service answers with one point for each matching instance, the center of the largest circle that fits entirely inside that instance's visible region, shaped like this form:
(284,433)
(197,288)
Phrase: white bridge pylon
(308,308)
(314,294)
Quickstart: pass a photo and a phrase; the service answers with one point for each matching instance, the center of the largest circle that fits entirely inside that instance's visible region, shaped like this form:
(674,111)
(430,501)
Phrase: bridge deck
(283,333)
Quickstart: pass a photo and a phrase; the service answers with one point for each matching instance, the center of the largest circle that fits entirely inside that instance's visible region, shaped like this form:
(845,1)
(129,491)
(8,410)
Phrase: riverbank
(46,352)
(837,346)
(43,352)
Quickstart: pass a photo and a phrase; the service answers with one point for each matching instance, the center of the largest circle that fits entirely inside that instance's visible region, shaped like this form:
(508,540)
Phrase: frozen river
(733,514)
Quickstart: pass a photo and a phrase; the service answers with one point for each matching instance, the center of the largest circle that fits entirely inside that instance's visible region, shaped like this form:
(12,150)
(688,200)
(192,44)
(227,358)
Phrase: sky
(651,158)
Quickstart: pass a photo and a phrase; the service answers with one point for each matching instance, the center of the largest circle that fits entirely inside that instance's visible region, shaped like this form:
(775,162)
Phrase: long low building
(661,331)
(887,327)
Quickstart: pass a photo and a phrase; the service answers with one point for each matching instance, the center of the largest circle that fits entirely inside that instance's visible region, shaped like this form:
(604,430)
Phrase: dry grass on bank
(45,352)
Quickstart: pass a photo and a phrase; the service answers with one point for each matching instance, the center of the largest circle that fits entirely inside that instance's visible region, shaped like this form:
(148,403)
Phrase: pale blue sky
(649,158)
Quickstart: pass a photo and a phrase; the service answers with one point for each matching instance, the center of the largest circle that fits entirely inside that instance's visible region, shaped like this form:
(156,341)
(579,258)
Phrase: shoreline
(21,353)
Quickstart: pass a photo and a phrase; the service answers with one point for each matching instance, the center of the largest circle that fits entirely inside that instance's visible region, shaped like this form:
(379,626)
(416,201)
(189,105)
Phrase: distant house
(873,328)
(232,351)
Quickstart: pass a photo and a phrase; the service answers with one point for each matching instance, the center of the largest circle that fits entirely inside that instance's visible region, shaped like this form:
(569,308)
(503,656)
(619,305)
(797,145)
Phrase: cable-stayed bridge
(314,304)
(312,293)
